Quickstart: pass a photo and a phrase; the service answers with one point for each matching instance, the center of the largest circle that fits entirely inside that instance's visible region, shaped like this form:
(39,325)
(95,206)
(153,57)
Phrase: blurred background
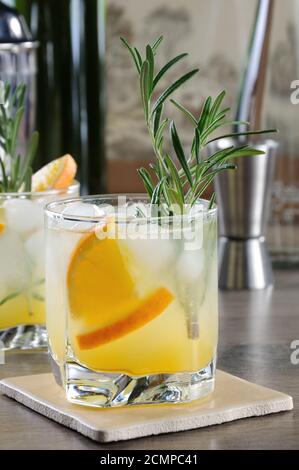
(87,103)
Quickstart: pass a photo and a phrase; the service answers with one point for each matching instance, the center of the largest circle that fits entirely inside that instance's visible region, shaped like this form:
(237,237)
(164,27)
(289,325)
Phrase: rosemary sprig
(179,177)
(15,169)
(169,184)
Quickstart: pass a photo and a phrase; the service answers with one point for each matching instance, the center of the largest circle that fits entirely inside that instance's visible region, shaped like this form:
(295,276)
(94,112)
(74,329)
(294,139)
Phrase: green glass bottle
(70,84)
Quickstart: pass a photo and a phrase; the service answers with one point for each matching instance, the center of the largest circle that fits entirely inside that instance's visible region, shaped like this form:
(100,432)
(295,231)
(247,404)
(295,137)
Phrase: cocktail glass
(22,298)
(132,308)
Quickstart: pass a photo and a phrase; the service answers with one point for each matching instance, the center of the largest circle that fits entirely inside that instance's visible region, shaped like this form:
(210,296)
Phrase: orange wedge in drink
(145,312)
(102,295)
(2,227)
(58,174)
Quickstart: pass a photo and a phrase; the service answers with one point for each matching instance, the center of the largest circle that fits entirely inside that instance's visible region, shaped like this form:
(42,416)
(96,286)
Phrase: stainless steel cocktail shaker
(243,198)
(18,61)
(243,195)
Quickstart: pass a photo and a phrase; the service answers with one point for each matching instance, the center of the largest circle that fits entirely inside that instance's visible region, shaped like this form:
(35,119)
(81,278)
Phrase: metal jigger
(243,195)
(243,198)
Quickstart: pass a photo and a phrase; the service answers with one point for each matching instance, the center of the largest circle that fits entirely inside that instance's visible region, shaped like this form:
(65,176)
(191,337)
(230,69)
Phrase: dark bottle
(70,85)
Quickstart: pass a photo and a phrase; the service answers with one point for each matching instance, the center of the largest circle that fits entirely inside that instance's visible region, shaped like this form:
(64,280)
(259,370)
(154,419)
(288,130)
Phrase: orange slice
(2,227)
(102,292)
(148,309)
(99,284)
(58,174)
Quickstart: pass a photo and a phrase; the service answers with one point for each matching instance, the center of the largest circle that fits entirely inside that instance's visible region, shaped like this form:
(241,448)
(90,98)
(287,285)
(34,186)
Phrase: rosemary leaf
(238,134)
(212,201)
(166,67)
(30,154)
(147,181)
(157,193)
(157,119)
(185,111)
(16,128)
(133,53)
(151,65)
(217,123)
(176,179)
(3,176)
(157,44)
(175,199)
(15,173)
(197,144)
(7,91)
(204,183)
(204,117)
(27,180)
(216,105)
(159,134)
(172,88)
(138,57)
(144,87)
(18,97)
(156,169)
(180,152)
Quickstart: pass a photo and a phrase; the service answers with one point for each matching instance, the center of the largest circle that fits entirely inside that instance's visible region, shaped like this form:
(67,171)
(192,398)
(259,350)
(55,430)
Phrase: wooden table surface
(256,330)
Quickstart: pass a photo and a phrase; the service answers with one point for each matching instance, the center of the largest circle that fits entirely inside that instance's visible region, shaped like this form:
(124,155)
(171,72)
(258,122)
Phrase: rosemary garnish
(15,169)
(167,184)
(179,177)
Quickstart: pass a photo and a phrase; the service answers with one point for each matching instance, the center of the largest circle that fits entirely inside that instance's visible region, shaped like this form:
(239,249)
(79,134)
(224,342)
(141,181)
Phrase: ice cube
(14,266)
(23,216)
(150,249)
(35,249)
(81,209)
(190,265)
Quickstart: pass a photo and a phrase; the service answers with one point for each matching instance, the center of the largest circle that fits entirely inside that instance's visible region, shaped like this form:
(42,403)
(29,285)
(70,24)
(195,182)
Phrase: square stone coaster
(233,399)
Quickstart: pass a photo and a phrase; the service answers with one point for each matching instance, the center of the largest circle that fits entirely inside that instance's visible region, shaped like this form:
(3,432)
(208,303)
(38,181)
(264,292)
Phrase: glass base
(24,337)
(55,368)
(105,390)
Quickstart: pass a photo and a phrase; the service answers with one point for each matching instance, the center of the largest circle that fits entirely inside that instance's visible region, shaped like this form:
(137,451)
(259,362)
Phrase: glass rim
(40,194)
(50,208)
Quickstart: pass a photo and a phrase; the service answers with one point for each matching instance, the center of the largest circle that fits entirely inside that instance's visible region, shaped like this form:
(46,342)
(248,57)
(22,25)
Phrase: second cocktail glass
(22,277)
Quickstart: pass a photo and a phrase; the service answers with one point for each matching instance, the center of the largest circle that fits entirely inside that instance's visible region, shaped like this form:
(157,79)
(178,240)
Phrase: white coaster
(233,399)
